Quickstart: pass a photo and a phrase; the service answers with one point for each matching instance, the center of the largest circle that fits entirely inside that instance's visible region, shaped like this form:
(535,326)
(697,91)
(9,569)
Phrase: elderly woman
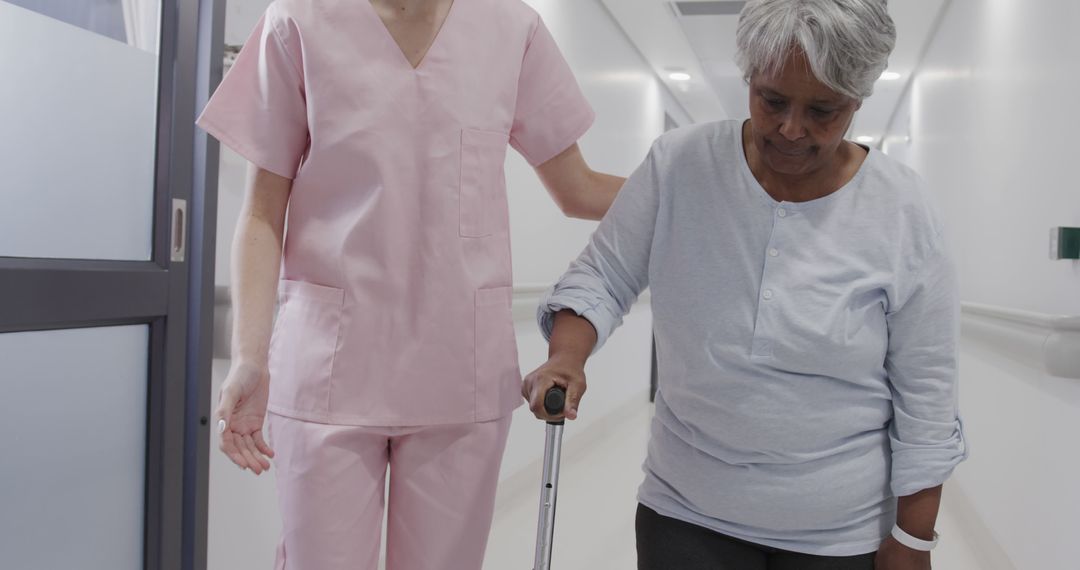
(805,318)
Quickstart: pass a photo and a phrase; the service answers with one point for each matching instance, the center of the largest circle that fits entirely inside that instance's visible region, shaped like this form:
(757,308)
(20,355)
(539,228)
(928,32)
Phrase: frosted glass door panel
(135,22)
(73,448)
(79,109)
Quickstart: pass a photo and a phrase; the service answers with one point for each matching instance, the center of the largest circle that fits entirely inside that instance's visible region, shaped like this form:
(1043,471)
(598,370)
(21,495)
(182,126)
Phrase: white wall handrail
(1051,322)
(1048,342)
(531,288)
(525,300)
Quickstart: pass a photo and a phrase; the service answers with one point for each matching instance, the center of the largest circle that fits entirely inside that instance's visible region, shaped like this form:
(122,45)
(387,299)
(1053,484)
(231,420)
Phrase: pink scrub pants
(331,481)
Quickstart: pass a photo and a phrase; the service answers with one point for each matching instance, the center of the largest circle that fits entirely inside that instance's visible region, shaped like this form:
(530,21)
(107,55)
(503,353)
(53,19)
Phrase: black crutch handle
(555,401)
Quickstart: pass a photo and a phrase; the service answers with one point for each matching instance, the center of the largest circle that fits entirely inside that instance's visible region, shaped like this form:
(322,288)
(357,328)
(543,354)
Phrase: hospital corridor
(539,284)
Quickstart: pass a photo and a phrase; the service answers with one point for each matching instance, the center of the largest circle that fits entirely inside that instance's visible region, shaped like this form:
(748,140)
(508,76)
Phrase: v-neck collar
(389,37)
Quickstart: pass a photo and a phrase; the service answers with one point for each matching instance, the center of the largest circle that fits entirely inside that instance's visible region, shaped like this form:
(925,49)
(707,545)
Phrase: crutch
(554,401)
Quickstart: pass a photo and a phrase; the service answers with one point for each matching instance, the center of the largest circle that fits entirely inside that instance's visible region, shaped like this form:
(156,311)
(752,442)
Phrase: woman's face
(797,123)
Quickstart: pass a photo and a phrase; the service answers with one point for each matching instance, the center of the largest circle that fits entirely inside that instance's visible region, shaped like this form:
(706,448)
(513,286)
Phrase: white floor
(596,503)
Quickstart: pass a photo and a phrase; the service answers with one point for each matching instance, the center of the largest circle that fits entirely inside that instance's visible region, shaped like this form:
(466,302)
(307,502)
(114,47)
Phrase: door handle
(178,246)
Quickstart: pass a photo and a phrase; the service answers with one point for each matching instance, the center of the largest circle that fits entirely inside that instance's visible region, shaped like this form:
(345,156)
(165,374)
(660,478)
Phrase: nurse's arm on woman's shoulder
(256,262)
(579,191)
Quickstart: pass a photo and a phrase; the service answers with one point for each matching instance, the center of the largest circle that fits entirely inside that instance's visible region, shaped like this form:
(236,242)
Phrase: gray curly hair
(847,42)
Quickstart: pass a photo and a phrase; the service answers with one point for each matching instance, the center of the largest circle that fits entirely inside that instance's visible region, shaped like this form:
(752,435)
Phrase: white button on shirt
(768,294)
(782,213)
(773,252)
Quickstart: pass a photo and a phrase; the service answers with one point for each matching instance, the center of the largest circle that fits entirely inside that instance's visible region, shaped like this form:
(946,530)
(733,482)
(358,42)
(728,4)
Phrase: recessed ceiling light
(679,76)
(864,139)
(890,76)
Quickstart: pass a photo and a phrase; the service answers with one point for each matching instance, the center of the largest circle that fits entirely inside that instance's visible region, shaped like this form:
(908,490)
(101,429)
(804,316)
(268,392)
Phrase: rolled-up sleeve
(605,280)
(926,431)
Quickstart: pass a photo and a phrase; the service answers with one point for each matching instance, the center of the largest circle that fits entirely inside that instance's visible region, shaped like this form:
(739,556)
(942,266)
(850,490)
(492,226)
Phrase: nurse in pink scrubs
(381,128)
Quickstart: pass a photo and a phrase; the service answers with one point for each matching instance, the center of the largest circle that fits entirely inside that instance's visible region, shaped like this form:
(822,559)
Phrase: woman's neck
(833,175)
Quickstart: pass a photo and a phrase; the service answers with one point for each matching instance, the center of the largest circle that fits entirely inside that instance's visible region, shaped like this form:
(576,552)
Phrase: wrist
(256,366)
(567,357)
(912,542)
(916,514)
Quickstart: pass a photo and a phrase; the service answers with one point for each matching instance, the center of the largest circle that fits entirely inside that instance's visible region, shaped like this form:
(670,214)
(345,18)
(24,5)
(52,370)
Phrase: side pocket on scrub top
(303,346)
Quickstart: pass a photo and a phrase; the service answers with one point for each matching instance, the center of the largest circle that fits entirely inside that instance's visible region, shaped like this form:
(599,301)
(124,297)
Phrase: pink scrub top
(396,278)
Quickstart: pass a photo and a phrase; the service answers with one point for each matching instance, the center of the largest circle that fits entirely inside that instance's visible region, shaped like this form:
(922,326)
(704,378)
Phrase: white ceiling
(652,26)
(704,46)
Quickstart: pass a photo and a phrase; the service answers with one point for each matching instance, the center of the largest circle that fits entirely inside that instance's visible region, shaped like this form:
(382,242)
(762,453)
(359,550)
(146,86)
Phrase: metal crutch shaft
(554,401)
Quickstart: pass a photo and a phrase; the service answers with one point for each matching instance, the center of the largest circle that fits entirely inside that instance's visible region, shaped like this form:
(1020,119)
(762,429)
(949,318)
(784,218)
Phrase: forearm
(579,191)
(572,338)
(256,264)
(596,196)
(917,514)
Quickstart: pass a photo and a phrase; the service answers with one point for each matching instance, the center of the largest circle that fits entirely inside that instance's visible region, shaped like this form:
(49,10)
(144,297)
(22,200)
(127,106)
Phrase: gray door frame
(209,64)
(174,298)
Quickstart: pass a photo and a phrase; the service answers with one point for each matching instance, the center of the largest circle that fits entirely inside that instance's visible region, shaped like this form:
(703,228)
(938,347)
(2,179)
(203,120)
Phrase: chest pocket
(482,206)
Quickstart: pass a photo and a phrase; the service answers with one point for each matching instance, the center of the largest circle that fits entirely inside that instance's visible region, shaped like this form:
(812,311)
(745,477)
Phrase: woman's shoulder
(905,200)
(899,177)
(904,190)
(698,134)
(709,141)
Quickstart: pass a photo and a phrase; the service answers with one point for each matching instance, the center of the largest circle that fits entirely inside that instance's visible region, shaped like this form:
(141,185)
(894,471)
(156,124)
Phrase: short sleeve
(260,108)
(551,113)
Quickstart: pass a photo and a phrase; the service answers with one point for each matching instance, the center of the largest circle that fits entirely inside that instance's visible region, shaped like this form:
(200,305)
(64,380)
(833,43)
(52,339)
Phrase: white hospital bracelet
(912,542)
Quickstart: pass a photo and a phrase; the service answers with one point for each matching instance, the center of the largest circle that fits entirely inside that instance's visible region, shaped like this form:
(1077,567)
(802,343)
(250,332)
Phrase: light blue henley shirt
(806,351)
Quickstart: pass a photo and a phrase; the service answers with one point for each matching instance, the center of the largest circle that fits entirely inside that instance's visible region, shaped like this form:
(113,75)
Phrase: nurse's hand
(566,372)
(240,415)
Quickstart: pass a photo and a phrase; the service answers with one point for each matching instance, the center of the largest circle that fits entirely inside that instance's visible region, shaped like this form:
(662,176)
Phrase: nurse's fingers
(229,448)
(249,445)
(252,462)
(261,444)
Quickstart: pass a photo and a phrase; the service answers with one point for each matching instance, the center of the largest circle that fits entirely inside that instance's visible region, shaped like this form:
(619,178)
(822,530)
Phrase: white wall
(630,106)
(992,129)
